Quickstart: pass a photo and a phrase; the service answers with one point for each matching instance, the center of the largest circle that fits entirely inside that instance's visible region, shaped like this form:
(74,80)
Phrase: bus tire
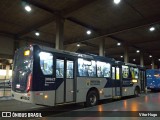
(92,98)
(136,92)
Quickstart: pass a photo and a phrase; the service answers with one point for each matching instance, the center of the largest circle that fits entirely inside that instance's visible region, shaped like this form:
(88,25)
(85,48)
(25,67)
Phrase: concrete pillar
(7,71)
(153,65)
(126,58)
(141,59)
(59,33)
(102,47)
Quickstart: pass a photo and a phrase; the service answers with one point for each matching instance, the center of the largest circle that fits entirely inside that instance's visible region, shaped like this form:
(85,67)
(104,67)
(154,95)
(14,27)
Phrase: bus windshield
(22,69)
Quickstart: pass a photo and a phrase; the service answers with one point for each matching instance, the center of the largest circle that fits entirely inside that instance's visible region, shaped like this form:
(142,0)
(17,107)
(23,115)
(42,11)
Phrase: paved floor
(116,110)
(5,92)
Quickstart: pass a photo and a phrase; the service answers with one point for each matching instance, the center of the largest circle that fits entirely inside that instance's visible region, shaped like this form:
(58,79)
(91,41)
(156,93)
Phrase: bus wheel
(136,92)
(92,98)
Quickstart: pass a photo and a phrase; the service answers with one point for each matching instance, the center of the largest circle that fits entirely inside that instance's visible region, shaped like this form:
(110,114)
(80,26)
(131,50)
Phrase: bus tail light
(29,82)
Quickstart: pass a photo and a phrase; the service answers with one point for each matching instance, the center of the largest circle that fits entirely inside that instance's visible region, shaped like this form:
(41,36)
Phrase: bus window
(134,72)
(92,69)
(117,73)
(113,72)
(103,69)
(59,68)
(125,71)
(84,67)
(69,69)
(130,72)
(46,63)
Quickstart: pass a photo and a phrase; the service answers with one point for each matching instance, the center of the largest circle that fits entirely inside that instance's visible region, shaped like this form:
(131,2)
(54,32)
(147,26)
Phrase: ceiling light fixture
(134,59)
(88,32)
(28,8)
(137,51)
(37,33)
(121,56)
(117,1)
(78,45)
(152,29)
(118,44)
(158,59)
(150,56)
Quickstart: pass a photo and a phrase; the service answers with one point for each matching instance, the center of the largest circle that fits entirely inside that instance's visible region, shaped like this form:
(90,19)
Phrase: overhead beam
(131,45)
(144,42)
(134,9)
(154,50)
(121,53)
(6,56)
(138,24)
(70,9)
(30,39)
(56,13)
(90,44)
(7,34)
(123,41)
(34,27)
(74,20)
(43,7)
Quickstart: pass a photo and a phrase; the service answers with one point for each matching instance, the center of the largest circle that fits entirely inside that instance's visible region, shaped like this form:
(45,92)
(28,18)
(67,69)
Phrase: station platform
(130,108)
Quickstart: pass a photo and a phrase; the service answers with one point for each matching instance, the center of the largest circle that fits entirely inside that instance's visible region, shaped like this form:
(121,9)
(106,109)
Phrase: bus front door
(116,82)
(65,72)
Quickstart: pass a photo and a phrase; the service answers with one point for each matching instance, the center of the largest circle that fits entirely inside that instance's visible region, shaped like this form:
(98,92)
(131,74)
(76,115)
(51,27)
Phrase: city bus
(47,76)
(153,79)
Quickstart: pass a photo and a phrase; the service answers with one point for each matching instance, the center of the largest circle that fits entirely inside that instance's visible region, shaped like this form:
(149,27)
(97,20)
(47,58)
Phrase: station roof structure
(135,23)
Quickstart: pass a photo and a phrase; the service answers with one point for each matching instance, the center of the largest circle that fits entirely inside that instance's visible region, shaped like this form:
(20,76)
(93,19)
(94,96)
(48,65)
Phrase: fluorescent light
(117,1)
(28,8)
(88,32)
(152,29)
(118,44)
(137,51)
(37,33)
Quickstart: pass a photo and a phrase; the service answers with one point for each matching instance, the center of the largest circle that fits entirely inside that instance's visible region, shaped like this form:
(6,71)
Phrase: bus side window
(103,69)
(69,69)
(117,73)
(59,68)
(113,73)
(125,71)
(46,63)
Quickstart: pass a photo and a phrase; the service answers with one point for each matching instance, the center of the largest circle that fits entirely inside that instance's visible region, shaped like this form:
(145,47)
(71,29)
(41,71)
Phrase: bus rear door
(65,75)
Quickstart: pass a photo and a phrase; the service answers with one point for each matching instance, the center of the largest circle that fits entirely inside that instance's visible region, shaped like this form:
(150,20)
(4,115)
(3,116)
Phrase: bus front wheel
(92,98)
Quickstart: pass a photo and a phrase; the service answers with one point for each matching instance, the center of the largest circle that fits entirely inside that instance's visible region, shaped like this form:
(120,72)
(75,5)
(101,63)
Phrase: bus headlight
(46,96)
(134,81)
